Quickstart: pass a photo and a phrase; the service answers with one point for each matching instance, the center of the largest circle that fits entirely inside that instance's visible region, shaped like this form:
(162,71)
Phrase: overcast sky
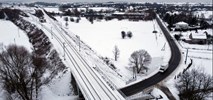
(161,1)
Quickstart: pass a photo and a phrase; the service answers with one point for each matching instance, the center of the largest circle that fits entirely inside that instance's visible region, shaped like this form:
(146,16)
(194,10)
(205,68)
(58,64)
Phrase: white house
(198,37)
(181,25)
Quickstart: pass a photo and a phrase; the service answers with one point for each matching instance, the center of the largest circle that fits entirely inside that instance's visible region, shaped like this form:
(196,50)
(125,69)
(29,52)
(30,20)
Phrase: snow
(187,33)
(118,13)
(157,93)
(171,85)
(74,62)
(155,37)
(199,36)
(181,23)
(200,54)
(94,8)
(102,8)
(205,14)
(11,34)
(58,89)
(26,9)
(52,9)
(47,94)
(201,59)
(153,94)
(102,36)
(205,64)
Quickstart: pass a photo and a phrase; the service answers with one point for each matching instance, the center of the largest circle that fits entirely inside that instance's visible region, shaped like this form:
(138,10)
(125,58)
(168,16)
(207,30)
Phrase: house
(129,15)
(198,38)
(181,25)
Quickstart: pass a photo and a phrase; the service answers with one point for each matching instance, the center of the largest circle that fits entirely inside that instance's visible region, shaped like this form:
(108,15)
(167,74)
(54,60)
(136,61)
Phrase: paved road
(173,64)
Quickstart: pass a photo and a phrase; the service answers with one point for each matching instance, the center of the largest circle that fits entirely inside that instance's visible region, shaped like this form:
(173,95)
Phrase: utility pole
(153,24)
(18,32)
(163,48)
(61,26)
(15,40)
(79,42)
(51,32)
(133,70)
(64,50)
(186,55)
(134,73)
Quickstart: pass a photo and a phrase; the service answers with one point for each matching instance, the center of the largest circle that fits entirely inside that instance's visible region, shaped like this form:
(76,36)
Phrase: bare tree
(123,34)
(129,34)
(39,64)
(66,19)
(116,52)
(140,60)
(20,72)
(15,70)
(194,85)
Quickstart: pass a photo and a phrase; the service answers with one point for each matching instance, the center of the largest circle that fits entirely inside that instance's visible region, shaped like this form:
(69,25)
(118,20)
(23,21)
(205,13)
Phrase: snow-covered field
(11,34)
(103,35)
(58,89)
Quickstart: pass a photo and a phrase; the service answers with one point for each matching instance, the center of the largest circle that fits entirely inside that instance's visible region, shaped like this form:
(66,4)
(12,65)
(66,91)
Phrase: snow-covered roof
(199,36)
(181,23)
(119,13)
(52,9)
(102,8)
(125,13)
(172,13)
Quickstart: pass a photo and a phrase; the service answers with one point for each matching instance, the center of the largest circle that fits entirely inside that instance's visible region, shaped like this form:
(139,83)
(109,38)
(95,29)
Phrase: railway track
(91,84)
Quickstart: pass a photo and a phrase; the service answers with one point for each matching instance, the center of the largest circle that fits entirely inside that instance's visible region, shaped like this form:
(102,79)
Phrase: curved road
(173,64)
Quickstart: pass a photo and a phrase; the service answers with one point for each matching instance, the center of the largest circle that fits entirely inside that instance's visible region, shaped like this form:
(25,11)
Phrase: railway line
(91,84)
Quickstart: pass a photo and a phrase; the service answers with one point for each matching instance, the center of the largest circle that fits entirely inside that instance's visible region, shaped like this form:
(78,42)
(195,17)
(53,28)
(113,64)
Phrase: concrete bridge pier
(76,88)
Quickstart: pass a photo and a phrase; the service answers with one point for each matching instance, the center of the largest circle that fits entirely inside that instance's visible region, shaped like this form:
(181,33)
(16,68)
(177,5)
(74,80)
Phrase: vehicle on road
(163,67)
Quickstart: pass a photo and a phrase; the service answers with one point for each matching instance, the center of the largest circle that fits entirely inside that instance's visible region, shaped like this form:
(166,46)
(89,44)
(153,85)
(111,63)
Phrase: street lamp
(187,50)
(64,50)
(18,32)
(51,32)
(79,41)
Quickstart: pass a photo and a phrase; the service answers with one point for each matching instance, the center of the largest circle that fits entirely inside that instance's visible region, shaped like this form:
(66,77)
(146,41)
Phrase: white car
(163,67)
